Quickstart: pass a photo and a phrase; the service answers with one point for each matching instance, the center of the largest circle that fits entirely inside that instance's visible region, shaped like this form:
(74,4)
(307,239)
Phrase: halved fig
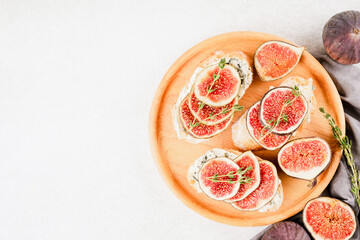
(286,230)
(275,59)
(286,105)
(197,129)
(210,115)
(329,218)
(245,160)
(221,189)
(269,182)
(305,158)
(217,92)
(260,134)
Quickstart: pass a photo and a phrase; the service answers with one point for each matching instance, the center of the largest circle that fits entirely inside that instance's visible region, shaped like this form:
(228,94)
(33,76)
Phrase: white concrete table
(76,83)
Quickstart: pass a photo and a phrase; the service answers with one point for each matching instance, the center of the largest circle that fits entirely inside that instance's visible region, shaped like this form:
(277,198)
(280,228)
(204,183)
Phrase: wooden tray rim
(164,169)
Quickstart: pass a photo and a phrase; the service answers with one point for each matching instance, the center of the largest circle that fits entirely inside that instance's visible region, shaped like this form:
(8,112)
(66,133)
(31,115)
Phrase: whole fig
(286,231)
(341,37)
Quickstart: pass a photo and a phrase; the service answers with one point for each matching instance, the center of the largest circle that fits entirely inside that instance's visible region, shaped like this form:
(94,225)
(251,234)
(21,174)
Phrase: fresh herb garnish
(345,144)
(221,66)
(273,123)
(236,108)
(216,178)
(195,124)
(209,90)
(201,105)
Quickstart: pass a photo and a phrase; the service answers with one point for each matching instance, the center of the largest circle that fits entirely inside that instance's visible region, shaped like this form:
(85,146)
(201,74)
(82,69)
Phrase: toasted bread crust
(241,136)
(216,56)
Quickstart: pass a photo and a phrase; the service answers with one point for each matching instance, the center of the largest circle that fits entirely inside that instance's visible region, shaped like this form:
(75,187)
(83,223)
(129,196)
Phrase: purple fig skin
(286,231)
(341,37)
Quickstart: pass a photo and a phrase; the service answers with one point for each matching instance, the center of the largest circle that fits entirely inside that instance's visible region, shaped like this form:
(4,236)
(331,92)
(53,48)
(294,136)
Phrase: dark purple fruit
(341,37)
(286,231)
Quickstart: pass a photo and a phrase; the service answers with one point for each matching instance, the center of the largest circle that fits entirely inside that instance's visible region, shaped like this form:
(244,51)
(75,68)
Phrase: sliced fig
(286,230)
(269,182)
(245,160)
(221,189)
(283,101)
(329,218)
(197,129)
(217,92)
(237,59)
(210,115)
(276,202)
(275,59)
(306,87)
(260,134)
(305,158)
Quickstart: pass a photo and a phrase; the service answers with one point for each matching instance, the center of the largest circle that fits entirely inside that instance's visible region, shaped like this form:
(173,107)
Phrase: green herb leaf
(225,110)
(231,175)
(345,144)
(201,105)
(196,124)
(216,76)
(270,121)
(209,90)
(216,176)
(285,117)
(222,63)
(237,107)
(211,116)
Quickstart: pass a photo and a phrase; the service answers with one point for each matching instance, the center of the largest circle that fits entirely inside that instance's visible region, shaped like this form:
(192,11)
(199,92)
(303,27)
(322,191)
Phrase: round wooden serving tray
(174,156)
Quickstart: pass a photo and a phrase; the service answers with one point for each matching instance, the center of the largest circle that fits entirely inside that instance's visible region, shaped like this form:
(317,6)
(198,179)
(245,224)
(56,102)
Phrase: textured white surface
(76,83)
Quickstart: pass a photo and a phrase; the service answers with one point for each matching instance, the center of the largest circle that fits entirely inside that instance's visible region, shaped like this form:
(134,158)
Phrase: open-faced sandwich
(205,107)
(244,180)
(272,121)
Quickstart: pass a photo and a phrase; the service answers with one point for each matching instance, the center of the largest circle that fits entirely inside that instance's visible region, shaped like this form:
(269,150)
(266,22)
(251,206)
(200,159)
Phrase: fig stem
(345,144)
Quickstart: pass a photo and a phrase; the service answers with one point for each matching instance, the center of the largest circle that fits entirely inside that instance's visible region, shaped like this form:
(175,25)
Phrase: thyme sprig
(195,124)
(209,90)
(221,66)
(345,144)
(216,178)
(201,106)
(273,123)
(211,116)
(236,108)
